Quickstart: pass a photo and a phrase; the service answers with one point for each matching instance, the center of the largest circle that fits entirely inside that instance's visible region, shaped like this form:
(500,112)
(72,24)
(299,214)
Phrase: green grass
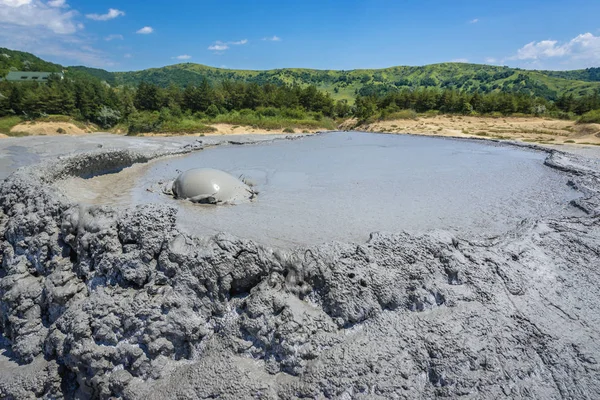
(7,123)
(592,117)
(185,125)
(402,114)
(345,84)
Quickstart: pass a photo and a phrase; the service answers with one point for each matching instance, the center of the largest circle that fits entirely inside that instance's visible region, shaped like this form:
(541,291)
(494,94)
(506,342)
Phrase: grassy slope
(345,84)
(22,61)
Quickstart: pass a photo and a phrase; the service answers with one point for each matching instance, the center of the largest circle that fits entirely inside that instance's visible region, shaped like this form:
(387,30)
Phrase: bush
(293,113)
(61,131)
(107,117)
(212,111)
(288,130)
(402,114)
(591,117)
(267,111)
(143,122)
(562,115)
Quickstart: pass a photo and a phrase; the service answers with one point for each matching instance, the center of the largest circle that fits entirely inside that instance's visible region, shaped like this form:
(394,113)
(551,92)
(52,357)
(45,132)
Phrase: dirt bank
(52,128)
(228,129)
(98,302)
(528,129)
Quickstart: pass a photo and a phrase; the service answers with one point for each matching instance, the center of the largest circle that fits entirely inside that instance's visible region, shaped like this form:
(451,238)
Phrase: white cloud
(48,29)
(15,3)
(580,52)
(490,60)
(542,49)
(36,13)
(183,57)
(273,39)
(474,21)
(113,37)
(145,30)
(127,55)
(111,14)
(220,46)
(460,60)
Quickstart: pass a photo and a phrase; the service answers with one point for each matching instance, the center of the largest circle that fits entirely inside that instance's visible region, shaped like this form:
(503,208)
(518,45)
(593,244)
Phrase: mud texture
(101,303)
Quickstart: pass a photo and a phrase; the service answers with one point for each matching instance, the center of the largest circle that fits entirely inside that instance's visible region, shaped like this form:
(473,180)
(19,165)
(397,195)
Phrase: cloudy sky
(325,34)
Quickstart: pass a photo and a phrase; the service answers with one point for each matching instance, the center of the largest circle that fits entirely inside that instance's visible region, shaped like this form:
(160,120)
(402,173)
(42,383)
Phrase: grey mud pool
(343,186)
(368,266)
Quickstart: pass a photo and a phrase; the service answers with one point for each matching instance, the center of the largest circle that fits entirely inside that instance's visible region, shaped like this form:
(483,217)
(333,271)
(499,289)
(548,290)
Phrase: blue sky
(130,35)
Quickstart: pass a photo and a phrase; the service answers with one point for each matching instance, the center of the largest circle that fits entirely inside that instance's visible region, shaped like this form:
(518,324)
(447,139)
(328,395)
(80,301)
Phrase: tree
(147,97)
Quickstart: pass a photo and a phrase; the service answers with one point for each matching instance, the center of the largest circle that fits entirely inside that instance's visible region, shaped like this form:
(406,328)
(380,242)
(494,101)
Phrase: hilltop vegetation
(469,78)
(21,61)
(188,97)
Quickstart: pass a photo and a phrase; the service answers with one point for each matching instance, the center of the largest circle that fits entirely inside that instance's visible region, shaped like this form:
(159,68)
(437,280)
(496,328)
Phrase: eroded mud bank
(100,302)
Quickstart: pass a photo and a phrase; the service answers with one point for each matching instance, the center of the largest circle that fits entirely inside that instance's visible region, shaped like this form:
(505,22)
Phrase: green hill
(347,84)
(21,61)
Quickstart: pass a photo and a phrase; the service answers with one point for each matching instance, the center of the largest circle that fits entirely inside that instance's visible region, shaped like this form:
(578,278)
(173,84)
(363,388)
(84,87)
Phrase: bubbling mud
(210,186)
(342,186)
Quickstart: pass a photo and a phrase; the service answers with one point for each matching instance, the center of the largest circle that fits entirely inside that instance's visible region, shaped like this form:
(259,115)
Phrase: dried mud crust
(101,303)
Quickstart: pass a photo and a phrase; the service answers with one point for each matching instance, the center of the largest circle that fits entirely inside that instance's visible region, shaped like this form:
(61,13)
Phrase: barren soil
(106,303)
(50,128)
(527,129)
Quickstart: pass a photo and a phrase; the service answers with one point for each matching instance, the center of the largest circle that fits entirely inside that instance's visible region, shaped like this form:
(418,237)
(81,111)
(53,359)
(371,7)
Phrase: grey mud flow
(107,302)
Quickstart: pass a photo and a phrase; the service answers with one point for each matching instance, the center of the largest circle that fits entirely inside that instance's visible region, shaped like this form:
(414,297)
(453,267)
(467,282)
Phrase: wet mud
(100,301)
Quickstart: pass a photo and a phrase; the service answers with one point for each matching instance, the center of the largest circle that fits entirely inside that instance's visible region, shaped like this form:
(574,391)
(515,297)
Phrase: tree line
(90,99)
(95,101)
(460,102)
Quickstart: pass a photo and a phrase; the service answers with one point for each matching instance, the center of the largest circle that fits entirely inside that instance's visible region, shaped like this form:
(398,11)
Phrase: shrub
(107,117)
(267,111)
(591,117)
(61,131)
(293,113)
(402,114)
(143,122)
(288,130)
(212,111)
(562,115)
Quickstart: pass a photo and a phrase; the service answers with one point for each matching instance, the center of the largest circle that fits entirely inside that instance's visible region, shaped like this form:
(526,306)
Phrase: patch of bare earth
(228,129)
(527,129)
(50,128)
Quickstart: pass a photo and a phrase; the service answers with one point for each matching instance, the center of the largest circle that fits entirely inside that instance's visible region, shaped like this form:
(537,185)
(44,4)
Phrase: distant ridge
(347,84)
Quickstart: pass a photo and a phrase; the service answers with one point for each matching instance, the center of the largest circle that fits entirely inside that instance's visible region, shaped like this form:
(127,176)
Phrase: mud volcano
(343,186)
(484,286)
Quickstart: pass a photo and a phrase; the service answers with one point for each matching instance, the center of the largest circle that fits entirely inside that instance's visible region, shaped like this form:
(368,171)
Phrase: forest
(148,107)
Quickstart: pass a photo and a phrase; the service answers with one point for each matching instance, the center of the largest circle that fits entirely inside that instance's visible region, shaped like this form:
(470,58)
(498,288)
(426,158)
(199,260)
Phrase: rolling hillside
(345,84)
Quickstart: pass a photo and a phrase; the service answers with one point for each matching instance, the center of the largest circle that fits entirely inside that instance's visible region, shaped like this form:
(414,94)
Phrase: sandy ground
(49,128)
(536,130)
(228,129)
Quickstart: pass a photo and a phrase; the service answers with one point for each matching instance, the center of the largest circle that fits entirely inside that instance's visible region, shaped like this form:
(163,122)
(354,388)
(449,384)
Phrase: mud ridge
(98,303)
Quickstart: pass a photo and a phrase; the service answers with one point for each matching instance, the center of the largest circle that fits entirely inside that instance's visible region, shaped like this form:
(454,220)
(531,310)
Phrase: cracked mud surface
(99,302)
